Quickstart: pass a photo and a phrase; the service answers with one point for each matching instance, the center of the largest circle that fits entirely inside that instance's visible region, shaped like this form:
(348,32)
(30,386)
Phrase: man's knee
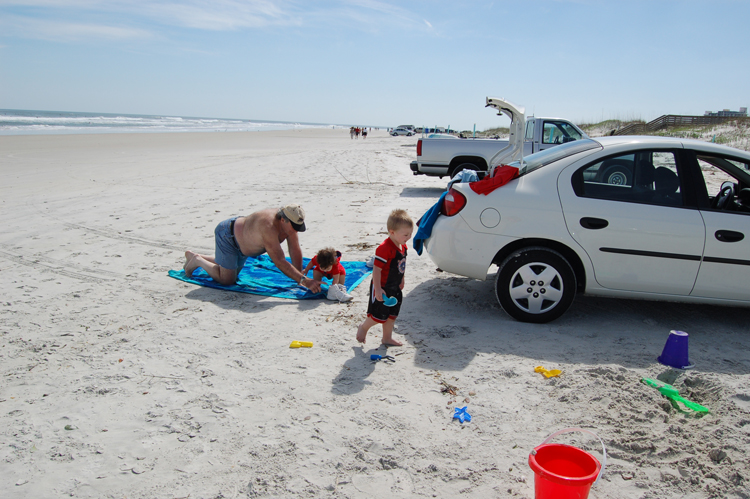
(227,277)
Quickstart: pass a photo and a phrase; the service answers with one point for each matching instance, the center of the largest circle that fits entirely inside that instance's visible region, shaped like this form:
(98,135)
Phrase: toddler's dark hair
(326,257)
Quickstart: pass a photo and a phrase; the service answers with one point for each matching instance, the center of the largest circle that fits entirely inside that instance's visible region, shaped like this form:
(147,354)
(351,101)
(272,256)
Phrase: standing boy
(388,277)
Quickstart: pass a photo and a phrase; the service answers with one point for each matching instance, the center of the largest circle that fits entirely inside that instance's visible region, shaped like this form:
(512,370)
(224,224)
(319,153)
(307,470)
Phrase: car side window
(529,131)
(726,182)
(650,177)
(559,132)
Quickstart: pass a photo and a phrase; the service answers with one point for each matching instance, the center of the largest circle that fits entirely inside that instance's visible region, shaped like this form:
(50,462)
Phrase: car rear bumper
(454,247)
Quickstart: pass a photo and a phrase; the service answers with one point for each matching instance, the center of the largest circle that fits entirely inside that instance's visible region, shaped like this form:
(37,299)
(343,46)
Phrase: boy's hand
(378,293)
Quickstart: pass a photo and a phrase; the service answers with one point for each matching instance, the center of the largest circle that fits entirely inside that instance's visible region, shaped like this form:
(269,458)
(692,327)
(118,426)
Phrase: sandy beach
(117,381)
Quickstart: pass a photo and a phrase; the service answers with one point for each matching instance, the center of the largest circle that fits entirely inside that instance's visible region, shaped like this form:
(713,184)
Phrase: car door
(628,214)
(725,270)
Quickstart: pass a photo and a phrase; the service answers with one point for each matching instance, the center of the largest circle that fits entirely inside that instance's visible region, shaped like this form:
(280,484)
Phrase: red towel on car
(501,176)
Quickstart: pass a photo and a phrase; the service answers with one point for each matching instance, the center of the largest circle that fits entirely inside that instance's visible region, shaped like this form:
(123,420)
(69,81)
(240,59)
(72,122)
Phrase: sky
(376,62)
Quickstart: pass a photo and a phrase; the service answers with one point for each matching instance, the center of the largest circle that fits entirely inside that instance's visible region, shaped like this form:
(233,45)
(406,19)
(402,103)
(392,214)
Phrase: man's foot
(190,264)
(361,334)
(392,343)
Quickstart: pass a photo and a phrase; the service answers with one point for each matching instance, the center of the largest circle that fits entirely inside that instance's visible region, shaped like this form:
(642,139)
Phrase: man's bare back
(254,230)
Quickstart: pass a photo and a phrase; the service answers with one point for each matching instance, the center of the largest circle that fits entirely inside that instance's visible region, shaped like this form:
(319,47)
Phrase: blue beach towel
(260,276)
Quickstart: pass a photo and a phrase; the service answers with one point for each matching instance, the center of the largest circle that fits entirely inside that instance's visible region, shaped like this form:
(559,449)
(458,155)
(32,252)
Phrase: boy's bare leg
(388,333)
(363,328)
(339,279)
(223,276)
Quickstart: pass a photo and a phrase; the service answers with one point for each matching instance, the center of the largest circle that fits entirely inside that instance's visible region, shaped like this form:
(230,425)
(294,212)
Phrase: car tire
(524,296)
(462,166)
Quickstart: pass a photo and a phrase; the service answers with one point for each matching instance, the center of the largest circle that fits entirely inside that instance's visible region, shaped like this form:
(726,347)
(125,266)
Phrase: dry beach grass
(117,381)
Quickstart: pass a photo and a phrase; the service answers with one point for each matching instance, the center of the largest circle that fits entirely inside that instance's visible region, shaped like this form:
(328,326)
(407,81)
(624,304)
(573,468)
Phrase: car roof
(671,142)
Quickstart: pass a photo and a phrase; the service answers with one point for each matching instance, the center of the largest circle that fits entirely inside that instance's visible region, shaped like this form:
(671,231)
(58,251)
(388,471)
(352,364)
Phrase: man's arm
(295,252)
(273,248)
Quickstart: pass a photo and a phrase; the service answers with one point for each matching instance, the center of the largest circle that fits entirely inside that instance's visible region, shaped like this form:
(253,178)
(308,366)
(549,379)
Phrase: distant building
(729,114)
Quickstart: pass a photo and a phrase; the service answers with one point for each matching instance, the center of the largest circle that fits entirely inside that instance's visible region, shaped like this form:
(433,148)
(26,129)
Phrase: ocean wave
(19,122)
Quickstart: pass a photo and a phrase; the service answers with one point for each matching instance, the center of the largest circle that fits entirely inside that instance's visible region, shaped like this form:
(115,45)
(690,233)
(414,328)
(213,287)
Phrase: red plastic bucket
(563,471)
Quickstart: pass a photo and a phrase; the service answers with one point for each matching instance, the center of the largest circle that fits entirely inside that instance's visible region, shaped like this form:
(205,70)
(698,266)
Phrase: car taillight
(453,202)
(419,147)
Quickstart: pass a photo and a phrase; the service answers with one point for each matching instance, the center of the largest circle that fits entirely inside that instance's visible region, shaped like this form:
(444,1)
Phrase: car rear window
(543,158)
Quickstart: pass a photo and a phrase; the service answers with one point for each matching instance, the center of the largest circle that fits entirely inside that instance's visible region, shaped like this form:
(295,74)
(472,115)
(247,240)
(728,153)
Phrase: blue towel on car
(425,224)
(260,276)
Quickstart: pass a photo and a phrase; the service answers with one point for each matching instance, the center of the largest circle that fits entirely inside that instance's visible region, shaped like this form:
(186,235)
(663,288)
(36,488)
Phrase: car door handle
(729,236)
(593,223)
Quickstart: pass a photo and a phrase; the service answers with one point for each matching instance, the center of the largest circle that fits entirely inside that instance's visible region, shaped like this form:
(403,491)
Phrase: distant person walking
(351,132)
(364,133)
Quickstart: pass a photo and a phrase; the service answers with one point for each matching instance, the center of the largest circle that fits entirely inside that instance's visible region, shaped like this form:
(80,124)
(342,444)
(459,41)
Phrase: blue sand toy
(385,358)
(461,414)
(389,301)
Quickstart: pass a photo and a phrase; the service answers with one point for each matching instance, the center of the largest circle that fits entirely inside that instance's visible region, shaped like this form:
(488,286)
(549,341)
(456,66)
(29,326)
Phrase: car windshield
(543,158)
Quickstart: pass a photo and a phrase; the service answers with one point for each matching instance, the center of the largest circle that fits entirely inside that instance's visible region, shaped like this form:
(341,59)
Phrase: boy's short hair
(398,219)
(326,257)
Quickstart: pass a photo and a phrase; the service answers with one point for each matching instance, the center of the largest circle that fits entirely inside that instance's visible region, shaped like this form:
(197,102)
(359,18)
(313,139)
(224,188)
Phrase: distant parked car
(625,217)
(402,131)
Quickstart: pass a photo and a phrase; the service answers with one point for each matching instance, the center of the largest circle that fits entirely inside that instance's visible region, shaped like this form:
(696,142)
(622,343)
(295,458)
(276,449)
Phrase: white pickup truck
(440,157)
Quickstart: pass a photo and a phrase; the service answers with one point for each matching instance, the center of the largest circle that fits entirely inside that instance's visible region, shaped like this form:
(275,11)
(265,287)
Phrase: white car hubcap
(536,288)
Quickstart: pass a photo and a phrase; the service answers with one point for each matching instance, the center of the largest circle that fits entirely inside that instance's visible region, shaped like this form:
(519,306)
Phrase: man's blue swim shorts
(228,254)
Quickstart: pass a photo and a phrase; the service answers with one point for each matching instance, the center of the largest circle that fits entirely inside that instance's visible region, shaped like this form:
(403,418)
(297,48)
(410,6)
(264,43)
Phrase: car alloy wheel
(535,284)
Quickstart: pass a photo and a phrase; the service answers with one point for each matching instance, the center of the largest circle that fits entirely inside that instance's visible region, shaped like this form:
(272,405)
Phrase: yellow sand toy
(298,344)
(548,373)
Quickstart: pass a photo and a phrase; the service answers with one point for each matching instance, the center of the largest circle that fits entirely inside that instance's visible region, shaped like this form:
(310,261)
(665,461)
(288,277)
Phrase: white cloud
(60,30)
(427,23)
(127,19)
(219,14)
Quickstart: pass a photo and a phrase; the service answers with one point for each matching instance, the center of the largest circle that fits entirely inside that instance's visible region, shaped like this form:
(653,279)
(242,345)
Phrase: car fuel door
(636,231)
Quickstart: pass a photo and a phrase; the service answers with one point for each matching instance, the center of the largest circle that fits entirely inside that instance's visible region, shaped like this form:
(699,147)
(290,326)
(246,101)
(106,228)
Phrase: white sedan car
(626,217)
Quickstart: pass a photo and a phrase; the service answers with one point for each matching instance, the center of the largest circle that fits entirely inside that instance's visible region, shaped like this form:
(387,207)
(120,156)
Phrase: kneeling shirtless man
(261,232)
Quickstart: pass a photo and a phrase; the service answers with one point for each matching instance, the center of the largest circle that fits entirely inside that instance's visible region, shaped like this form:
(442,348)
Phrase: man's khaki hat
(296,216)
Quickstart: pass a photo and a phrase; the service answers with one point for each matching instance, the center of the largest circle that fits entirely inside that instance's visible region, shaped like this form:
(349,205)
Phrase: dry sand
(118,381)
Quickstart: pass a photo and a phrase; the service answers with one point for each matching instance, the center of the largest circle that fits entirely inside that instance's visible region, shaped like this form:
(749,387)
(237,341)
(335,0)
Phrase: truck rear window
(544,158)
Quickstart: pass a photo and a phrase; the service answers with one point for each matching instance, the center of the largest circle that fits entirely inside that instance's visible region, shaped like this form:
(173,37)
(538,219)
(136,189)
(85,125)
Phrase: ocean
(22,122)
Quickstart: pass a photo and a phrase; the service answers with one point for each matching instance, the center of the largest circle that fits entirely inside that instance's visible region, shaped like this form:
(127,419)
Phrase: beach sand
(118,381)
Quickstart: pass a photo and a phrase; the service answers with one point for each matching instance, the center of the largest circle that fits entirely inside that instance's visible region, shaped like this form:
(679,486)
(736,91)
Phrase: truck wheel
(535,284)
(617,175)
(463,166)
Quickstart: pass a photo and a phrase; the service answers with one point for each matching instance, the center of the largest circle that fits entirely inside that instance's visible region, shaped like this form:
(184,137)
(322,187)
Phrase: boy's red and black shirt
(392,263)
